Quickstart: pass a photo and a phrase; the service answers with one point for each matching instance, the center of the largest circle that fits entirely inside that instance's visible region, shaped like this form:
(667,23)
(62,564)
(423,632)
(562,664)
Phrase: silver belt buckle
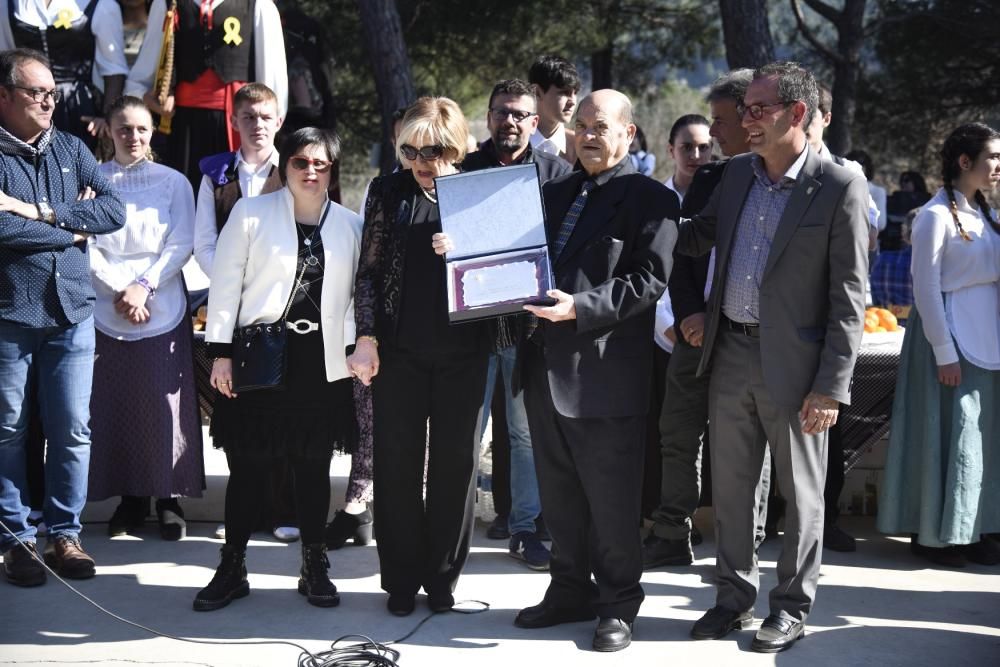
(302,326)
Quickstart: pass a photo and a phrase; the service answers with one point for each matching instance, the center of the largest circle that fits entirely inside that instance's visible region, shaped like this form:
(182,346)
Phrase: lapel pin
(809,190)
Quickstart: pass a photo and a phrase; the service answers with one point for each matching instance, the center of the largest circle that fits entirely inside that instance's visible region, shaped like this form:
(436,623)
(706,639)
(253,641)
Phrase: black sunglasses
(428,153)
(302,163)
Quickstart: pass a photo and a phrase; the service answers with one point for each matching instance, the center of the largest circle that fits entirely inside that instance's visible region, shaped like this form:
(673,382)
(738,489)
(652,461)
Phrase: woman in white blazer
(293,244)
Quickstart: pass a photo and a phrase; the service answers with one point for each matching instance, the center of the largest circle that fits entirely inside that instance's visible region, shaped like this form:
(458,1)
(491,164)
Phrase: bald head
(604,130)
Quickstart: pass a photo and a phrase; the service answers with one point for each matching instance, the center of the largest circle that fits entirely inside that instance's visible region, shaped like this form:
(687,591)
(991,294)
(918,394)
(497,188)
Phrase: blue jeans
(63,358)
(525,504)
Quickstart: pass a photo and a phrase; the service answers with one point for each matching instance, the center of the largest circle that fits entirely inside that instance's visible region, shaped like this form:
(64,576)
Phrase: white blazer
(255,269)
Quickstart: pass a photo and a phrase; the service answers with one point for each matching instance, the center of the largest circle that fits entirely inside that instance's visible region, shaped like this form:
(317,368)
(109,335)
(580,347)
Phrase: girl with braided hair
(942,474)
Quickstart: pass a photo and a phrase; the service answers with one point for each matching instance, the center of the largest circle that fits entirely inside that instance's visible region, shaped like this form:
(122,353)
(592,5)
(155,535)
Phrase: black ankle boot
(229,583)
(170,516)
(129,516)
(346,526)
(313,581)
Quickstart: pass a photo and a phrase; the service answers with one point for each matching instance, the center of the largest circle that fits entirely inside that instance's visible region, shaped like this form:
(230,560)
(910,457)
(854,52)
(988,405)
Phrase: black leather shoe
(400,604)
(719,622)
(835,539)
(498,529)
(612,634)
(439,602)
(545,615)
(777,634)
(355,527)
(657,552)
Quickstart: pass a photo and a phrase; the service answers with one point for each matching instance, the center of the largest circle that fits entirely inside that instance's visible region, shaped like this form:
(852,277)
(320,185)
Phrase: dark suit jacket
(549,166)
(812,293)
(688,278)
(615,265)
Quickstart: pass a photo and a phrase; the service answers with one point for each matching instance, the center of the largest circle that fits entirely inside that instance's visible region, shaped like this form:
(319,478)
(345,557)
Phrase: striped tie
(569,222)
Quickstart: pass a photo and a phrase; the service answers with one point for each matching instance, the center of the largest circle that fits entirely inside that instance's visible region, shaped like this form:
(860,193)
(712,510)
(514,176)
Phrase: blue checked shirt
(44,276)
(762,210)
(892,284)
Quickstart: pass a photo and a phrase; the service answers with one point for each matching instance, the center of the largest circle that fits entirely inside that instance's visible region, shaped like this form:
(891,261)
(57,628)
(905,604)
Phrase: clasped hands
(130,303)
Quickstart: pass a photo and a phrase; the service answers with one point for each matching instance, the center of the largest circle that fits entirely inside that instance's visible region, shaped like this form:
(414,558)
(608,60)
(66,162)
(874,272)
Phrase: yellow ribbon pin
(232,28)
(64,19)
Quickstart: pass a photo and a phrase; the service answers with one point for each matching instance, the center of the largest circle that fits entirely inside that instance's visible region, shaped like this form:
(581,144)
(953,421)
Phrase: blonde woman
(421,368)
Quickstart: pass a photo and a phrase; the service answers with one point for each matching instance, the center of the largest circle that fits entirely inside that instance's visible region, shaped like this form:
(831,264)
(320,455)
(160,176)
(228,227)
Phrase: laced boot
(313,581)
(228,584)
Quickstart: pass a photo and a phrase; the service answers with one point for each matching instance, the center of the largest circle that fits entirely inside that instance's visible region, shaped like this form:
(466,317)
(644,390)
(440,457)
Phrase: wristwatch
(46,213)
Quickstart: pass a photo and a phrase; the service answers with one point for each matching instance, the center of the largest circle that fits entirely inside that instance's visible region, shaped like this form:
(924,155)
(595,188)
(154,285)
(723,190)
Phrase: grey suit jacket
(812,293)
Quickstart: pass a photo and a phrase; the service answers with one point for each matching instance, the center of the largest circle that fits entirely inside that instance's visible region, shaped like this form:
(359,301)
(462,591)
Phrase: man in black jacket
(585,371)
(511,119)
(684,418)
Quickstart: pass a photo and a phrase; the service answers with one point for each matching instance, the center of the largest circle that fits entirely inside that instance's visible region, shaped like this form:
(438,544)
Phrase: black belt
(752,330)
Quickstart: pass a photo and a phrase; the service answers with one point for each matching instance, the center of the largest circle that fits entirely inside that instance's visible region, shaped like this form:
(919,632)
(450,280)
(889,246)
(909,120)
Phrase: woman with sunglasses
(942,471)
(289,255)
(423,368)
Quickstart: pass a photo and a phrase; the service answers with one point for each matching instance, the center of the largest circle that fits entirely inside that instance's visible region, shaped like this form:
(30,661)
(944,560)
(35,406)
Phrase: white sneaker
(220,532)
(286,534)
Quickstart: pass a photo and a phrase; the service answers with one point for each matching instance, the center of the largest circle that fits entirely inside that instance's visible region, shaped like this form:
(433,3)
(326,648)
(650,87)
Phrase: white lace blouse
(154,244)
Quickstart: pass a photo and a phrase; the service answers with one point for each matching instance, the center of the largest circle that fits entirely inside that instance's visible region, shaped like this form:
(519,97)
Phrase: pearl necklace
(431,198)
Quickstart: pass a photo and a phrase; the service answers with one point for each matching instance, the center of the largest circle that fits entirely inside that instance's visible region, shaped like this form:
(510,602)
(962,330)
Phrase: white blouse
(109,36)
(154,244)
(956,283)
(268,56)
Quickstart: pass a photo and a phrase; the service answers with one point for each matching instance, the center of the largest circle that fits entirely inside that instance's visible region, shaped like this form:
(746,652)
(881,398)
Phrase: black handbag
(259,358)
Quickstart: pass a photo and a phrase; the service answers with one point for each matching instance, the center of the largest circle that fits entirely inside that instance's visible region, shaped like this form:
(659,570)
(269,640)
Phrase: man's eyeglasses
(38,94)
(756,111)
(428,153)
(302,163)
(519,116)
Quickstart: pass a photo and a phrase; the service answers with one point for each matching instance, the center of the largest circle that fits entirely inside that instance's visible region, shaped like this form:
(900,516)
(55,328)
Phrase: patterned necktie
(565,231)
(569,222)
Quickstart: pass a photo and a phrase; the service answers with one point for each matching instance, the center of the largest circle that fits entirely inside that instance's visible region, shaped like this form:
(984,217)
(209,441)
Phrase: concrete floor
(879,606)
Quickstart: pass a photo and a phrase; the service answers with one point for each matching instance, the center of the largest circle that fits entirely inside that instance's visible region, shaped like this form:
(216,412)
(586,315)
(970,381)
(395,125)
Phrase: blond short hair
(442,120)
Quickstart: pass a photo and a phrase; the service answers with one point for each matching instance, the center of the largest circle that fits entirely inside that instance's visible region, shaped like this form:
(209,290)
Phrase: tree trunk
(383,35)
(846,72)
(746,31)
(600,68)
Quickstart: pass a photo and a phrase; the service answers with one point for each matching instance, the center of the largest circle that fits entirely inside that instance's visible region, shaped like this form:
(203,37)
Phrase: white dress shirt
(956,283)
(878,195)
(206,231)
(154,244)
(554,145)
(109,36)
(268,56)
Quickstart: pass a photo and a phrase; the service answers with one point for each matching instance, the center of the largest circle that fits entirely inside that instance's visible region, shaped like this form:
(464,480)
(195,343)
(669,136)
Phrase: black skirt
(309,418)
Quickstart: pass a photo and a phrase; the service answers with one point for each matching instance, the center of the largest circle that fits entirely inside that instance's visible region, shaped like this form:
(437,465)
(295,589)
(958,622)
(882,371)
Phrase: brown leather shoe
(21,568)
(65,555)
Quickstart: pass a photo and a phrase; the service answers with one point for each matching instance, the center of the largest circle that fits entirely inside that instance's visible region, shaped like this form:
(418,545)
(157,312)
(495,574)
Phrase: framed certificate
(496,222)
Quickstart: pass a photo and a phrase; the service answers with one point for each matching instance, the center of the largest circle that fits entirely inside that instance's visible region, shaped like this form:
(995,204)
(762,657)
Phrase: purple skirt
(144,418)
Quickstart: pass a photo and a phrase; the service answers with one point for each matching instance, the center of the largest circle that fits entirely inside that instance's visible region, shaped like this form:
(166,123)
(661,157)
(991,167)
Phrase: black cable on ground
(367,653)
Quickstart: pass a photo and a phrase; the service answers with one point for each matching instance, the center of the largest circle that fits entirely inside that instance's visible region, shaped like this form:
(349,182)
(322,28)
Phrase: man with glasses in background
(784,325)
(511,120)
(52,197)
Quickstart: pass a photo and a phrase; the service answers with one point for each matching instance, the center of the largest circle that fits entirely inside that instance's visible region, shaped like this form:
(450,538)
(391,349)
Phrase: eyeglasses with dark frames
(300,163)
(756,111)
(38,94)
(428,153)
(500,114)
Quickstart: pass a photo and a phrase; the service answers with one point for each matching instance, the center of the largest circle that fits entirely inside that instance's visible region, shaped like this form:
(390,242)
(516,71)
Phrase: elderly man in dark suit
(784,326)
(585,371)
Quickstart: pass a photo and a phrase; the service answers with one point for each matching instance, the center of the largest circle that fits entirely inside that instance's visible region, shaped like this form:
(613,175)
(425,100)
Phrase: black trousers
(425,541)
(310,487)
(589,477)
(500,449)
(652,474)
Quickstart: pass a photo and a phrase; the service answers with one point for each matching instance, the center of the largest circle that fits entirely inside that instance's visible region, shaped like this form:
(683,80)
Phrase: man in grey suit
(785,322)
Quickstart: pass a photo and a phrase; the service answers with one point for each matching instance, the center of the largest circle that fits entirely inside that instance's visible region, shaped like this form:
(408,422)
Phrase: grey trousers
(743,420)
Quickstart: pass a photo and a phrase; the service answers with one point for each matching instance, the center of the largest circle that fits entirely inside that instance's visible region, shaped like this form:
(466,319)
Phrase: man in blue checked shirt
(51,199)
